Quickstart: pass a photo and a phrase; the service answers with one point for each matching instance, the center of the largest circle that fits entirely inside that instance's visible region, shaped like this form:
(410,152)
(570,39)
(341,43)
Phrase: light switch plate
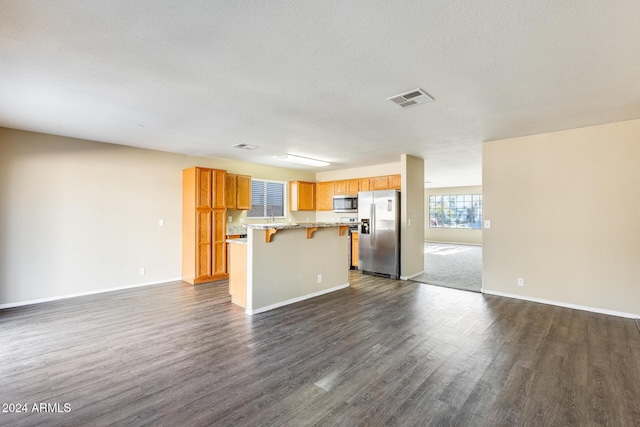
(487,223)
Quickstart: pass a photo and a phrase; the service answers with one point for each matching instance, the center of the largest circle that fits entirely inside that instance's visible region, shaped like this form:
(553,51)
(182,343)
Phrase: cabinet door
(204,179)
(219,258)
(380,183)
(243,192)
(324,196)
(353,187)
(354,249)
(302,196)
(364,184)
(395,182)
(307,196)
(203,245)
(339,188)
(219,181)
(230,188)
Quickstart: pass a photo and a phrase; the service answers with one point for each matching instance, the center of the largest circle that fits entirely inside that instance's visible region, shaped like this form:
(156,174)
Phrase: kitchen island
(283,263)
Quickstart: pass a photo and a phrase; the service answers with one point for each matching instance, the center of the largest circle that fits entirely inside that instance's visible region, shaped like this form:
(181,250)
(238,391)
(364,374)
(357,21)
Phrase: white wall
(80,216)
(450,235)
(564,217)
(287,268)
(412,227)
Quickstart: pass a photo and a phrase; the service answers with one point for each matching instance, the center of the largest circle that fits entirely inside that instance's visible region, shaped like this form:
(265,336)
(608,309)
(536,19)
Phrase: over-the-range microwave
(345,203)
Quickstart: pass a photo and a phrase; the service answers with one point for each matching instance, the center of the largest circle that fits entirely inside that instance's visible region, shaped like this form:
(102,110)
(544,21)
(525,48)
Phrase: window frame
(284,198)
(450,215)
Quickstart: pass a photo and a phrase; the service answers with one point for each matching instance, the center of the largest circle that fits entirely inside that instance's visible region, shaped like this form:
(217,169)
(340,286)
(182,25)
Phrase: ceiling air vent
(411,98)
(245,146)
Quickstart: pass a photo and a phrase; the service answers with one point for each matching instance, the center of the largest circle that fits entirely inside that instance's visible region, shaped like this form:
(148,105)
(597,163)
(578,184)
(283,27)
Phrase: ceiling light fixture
(302,160)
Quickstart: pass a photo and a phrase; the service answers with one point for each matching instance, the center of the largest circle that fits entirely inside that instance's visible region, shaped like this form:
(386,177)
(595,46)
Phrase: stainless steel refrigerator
(379,234)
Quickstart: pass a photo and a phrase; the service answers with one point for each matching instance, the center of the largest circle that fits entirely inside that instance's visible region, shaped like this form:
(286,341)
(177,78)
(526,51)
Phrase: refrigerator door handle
(372,240)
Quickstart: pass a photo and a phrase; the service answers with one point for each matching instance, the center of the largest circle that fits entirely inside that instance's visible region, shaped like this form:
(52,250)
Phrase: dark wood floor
(382,352)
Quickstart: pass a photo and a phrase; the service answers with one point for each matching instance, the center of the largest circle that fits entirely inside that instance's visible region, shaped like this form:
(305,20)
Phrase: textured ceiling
(311,78)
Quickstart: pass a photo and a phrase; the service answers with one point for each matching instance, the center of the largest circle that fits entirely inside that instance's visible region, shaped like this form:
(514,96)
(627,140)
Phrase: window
(455,211)
(267,199)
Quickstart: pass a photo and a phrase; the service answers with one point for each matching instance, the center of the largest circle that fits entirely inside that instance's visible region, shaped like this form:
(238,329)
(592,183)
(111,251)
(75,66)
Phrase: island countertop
(296,225)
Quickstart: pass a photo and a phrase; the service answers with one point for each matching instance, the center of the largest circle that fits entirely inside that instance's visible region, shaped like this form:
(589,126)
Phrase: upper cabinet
(346,187)
(379,183)
(353,187)
(231,186)
(243,197)
(219,177)
(302,196)
(324,196)
(395,182)
(237,191)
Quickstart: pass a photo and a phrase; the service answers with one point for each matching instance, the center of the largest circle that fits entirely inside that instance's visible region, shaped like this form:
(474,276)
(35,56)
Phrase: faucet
(272,219)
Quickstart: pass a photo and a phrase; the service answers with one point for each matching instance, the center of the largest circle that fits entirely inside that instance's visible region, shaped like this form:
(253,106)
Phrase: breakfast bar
(283,263)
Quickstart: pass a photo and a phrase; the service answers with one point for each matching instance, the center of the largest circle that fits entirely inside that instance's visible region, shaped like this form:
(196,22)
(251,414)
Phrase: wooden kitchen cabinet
(364,184)
(237,191)
(203,225)
(395,182)
(379,183)
(243,197)
(346,187)
(302,196)
(354,249)
(353,186)
(218,196)
(324,196)
(230,191)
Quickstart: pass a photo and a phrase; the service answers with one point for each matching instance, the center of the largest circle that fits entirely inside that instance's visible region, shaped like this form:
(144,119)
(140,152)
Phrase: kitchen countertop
(294,225)
(236,229)
(241,241)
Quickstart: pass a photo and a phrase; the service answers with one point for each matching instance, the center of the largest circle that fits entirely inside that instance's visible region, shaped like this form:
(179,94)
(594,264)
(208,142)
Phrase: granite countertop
(294,225)
(236,229)
(241,241)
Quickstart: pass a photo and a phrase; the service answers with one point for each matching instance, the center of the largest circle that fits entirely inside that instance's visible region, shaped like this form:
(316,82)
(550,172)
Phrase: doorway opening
(456,266)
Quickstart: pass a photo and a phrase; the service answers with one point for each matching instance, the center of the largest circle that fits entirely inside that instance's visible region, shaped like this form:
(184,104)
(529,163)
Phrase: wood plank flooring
(382,352)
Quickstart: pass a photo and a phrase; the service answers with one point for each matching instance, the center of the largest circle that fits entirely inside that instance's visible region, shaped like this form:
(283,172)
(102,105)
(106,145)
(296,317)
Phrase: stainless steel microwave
(345,203)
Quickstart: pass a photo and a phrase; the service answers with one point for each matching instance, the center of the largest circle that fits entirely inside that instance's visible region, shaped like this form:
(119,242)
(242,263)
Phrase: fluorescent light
(302,160)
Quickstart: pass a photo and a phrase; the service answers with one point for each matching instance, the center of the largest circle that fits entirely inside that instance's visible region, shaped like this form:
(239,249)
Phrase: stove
(353,227)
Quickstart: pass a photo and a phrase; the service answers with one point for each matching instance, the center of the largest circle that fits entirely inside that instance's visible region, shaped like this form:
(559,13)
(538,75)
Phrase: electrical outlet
(230,219)
(161,222)
(142,271)
(319,278)
(520,282)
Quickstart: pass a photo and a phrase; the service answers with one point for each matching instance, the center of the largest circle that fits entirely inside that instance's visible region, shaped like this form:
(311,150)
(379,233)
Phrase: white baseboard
(294,300)
(82,294)
(563,304)
(411,276)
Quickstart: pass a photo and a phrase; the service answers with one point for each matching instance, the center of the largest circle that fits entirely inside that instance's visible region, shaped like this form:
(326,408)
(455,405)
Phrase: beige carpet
(452,266)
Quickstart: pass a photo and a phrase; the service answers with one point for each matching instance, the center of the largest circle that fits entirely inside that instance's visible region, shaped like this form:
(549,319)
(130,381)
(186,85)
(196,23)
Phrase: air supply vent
(245,146)
(411,98)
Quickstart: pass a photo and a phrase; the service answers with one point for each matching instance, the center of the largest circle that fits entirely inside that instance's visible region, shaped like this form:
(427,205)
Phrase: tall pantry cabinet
(203,225)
